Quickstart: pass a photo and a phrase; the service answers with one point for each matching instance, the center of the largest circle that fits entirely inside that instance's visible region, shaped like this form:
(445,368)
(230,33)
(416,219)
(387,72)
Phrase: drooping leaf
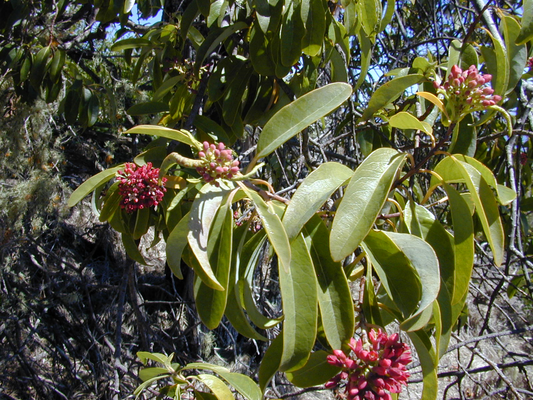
(91,184)
(271,361)
(292,33)
(312,194)
(334,297)
(428,360)
(217,386)
(273,226)
(526,31)
(405,120)
(211,303)
(363,200)
(314,18)
(299,114)
(389,92)
(132,249)
(203,211)
(298,289)
(181,135)
(315,372)
(517,53)
(176,243)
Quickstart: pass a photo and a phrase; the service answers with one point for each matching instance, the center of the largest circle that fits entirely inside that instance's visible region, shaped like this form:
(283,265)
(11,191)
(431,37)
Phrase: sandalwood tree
(301,141)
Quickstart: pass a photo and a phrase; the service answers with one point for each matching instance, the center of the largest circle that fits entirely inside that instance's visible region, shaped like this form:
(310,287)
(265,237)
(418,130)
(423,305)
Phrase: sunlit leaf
(315,372)
(363,199)
(91,184)
(299,114)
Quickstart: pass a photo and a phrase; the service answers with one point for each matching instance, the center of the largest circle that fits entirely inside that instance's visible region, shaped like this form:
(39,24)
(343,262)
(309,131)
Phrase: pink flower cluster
(530,62)
(466,91)
(218,162)
(377,368)
(139,187)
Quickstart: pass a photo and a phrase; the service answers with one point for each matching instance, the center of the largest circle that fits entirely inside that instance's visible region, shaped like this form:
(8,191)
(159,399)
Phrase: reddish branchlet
(376,369)
(139,187)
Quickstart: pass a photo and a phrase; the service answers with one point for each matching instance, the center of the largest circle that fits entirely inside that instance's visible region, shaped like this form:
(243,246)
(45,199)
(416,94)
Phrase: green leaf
(314,18)
(273,226)
(131,249)
(369,12)
(394,271)
(363,200)
(464,140)
(292,33)
(312,194)
(142,223)
(242,383)
(405,120)
(253,312)
(389,92)
(130,43)
(203,211)
(176,243)
(91,184)
(214,39)
(316,371)
(366,57)
(149,373)
(271,361)
(39,67)
(144,356)
(391,7)
(181,135)
(299,114)
(299,299)
(334,296)
(260,53)
(428,361)
(211,303)
(451,169)
(463,242)
(497,64)
(166,86)
(526,32)
(424,260)
(237,318)
(217,386)
(151,107)
(517,53)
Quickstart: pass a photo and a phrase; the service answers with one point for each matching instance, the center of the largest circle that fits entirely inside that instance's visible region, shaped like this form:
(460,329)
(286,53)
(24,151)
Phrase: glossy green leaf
(271,361)
(39,67)
(176,243)
(334,296)
(298,289)
(149,373)
(451,169)
(369,12)
(151,107)
(405,120)
(444,322)
(425,262)
(464,139)
(299,114)
(314,18)
(91,184)
(142,223)
(130,43)
(234,93)
(260,54)
(428,360)
(526,31)
(517,53)
(131,249)
(242,383)
(203,211)
(166,87)
(237,318)
(422,223)
(312,193)
(211,303)
(56,65)
(315,372)
(253,312)
(387,18)
(463,243)
(497,64)
(181,135)
(111,203)
(273,226)
(217,386)
(394,270)
(389,92)
(366,57)
(363,200)
(292,33)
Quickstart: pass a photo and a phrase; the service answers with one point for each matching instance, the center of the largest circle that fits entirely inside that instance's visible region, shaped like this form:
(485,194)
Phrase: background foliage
(254,74)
